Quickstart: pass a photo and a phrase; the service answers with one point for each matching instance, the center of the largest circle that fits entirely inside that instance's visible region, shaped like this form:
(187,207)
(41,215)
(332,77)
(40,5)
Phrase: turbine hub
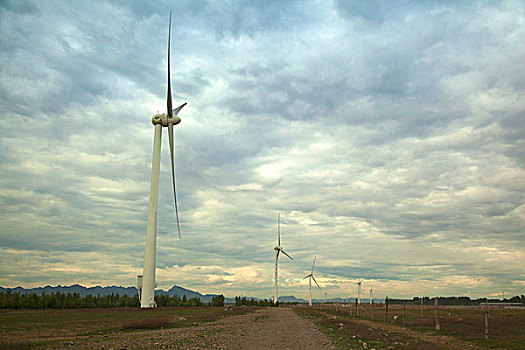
(157,119)
(277,248)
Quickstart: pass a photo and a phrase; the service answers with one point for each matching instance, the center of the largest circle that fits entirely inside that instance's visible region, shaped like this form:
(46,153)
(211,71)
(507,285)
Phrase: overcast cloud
(390,135)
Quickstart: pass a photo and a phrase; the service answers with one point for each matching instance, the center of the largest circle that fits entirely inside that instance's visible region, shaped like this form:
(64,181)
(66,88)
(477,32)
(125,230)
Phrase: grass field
(348,333)
(506,326)
(38,328)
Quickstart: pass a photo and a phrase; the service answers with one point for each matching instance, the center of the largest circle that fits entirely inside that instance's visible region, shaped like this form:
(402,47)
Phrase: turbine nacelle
(167,120)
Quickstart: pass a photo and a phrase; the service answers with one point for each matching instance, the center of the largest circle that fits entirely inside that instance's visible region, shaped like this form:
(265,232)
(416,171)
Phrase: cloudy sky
(389,134)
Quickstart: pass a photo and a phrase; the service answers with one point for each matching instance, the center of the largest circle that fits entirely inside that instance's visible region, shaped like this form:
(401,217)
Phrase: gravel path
(279,328)
(267,328)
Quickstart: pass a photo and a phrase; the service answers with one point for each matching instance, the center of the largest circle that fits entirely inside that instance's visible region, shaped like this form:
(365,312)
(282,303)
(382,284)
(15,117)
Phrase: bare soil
(249,328)
(266,328)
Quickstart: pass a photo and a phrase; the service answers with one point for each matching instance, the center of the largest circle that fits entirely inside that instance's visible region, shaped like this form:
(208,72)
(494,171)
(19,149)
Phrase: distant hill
(291,299)
(102,291)
(175,290)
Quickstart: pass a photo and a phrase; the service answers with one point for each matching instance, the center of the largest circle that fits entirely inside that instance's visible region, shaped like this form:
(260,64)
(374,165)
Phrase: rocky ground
(267,328)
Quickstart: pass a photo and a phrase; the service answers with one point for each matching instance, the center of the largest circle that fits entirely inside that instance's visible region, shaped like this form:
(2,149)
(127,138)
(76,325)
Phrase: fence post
(436,313)
(403,314)
(386,309)
(487,324)
(356,308)
(372,306)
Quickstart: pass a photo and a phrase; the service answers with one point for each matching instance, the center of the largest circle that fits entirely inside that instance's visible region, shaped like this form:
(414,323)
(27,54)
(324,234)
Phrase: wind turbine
(159,120)
(278,249)
(371,296)
(311,276)
(359,291)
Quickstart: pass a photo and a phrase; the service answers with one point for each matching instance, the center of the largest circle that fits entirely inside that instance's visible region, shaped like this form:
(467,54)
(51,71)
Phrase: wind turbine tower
(371,296)
(147,282)
(278,249)
(311,276)
(359,292)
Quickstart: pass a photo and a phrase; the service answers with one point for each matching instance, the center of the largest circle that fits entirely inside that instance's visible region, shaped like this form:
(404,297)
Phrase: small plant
(260,317)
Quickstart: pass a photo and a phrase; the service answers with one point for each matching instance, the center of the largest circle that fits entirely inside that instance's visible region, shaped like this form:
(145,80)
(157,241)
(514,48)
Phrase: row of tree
(252,302)
(57,300)
(166,300)
(465,301)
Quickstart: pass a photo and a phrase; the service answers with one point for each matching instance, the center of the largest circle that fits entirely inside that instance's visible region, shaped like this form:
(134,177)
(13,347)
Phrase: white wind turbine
(311,276)
(359,291)
(278,249)
(147,281)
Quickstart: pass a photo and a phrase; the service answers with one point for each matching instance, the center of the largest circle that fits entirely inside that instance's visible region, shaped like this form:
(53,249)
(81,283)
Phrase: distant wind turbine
(278,249)
(371,296)
(359,291)
(147,281)
(311,277)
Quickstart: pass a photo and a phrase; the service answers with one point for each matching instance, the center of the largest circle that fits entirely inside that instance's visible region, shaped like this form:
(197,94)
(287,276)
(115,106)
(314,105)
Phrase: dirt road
(268,328)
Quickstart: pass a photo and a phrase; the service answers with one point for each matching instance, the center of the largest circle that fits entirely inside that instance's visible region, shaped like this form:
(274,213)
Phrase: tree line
(464,301)
(58,300)
(252,302)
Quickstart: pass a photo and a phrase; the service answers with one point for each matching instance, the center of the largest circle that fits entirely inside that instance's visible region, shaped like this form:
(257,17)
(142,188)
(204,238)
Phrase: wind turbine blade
(278,251)
(285,253)
(307,277)
(170,108)
(313,264)
(315,282)
(279,230)
(170,132)
(177,110)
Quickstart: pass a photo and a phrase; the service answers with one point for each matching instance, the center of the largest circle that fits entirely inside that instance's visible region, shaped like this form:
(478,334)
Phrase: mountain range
(102,291)
(175,290)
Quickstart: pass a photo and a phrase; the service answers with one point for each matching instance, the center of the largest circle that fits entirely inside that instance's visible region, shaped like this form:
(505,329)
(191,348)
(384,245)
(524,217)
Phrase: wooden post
(487,324)
(372,307)
(436,313)
(403,314)
(356,308)
(386,309)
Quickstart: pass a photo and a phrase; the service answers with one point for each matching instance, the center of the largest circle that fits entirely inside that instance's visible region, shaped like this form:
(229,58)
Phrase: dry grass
(346,333)
(465,323)
(155,322)
(44,328)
